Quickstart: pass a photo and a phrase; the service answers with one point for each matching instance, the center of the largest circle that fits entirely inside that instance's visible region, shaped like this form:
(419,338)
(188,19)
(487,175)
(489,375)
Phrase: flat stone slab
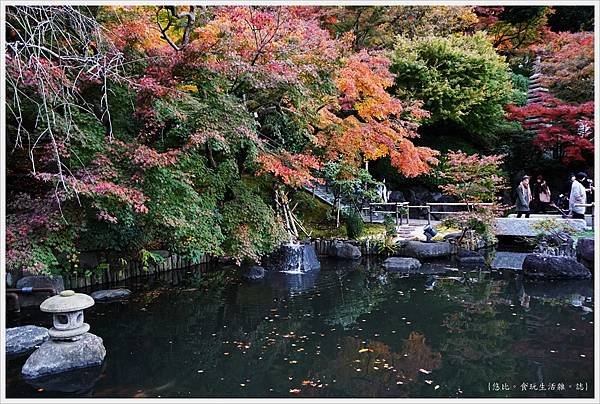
(55,357)
(20,340)
(110,294)
(508,260)
(588,217)
(523,227)
(401,264)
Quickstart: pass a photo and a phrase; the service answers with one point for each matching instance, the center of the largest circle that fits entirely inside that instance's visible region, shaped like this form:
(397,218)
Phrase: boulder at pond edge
(542,266)
(341,249)
(20,340)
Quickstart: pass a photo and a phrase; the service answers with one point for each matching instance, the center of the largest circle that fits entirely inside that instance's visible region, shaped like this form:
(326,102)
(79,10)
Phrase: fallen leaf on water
(365,350)
(424,371)
(428,381)
(437,386)
(295,391)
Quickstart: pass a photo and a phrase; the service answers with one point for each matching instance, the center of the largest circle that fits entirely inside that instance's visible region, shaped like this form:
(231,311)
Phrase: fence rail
(402,209)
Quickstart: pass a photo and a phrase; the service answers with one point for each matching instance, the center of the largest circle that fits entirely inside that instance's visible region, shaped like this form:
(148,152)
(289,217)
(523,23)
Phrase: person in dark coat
(523,197)
(541,195)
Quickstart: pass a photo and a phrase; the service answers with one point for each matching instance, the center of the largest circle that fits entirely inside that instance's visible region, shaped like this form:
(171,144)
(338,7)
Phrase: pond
(348,330)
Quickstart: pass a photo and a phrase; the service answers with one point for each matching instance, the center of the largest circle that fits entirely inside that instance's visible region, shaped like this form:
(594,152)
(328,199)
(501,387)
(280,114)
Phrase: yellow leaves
(363,350)
(191,88)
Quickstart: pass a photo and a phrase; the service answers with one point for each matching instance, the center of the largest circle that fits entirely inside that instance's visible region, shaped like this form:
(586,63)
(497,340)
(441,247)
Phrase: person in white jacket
(577,196)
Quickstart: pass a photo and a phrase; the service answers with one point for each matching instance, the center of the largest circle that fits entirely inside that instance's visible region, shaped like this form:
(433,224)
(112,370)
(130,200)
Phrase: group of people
(540,199)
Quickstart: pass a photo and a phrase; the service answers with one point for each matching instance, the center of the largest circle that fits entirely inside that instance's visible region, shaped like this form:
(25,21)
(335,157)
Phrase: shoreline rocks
(420,249)
(585,252)
(108,295)
(541,266)
(341,249)
(38,281)
(21,340)
(401,264)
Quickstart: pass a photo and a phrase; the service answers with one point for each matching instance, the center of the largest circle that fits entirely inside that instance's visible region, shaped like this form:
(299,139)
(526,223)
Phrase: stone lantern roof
(66,301)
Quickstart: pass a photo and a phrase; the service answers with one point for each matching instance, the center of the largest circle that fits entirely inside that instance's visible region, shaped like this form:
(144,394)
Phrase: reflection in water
(78,383)
(344,331)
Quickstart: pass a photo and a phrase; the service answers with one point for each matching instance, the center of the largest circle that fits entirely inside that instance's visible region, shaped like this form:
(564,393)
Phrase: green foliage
(249,225)
(390,226)
(354,225)
(351,186)
(385,246)
(520,84)
(148,258)
(460,78)
(551,234)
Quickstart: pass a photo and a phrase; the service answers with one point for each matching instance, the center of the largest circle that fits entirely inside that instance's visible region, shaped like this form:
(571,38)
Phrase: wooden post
(396,214)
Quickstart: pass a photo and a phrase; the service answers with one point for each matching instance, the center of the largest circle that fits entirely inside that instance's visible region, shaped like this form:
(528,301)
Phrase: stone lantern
(71,346)
(67,312)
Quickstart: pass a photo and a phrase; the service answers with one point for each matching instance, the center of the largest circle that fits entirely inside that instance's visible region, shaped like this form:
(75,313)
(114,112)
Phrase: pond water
(348,330)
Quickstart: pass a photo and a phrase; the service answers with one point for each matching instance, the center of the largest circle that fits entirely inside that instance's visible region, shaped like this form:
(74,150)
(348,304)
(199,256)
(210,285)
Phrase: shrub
(354,225)
(390,226)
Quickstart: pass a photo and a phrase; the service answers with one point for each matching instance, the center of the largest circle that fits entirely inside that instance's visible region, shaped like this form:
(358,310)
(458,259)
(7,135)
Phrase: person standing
(578,197)
(544,196)
(523,197)
(537,187)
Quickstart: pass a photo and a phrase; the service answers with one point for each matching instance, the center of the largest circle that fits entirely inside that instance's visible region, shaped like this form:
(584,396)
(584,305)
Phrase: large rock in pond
(541,266)
(342,249)
(401,264)
(253,273)
(420,249)
(20,340)
(585,251)
(108,295)
(38,281)
(293,258)
(62,356)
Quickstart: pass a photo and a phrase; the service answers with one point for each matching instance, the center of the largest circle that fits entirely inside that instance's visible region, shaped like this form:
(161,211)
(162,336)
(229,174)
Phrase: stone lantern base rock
(61,356)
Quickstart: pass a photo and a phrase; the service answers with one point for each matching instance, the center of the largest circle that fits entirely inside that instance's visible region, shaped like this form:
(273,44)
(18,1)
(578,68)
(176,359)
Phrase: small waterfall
(293,258)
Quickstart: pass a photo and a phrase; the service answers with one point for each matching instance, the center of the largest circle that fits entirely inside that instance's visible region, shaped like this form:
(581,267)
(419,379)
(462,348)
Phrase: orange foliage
(293,169)
(367,123)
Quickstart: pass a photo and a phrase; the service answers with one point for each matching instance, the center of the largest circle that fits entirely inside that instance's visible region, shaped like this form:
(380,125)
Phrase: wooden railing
(401,210)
